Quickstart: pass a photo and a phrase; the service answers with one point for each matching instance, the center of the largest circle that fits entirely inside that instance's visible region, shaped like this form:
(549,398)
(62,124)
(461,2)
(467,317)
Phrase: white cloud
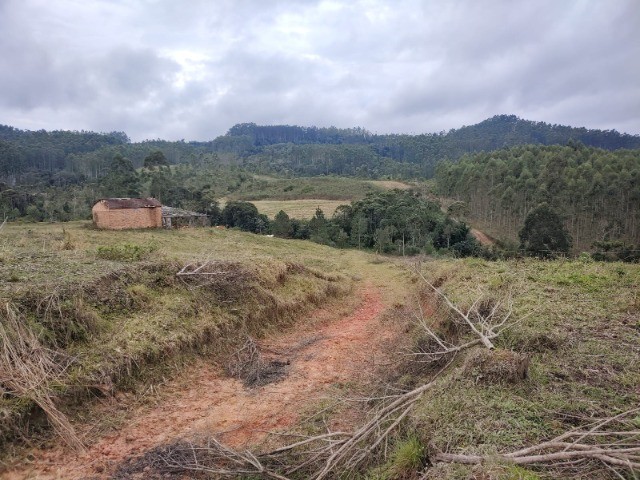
(160,68)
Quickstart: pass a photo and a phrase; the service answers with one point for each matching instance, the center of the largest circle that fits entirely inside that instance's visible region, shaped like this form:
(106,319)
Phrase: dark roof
(125,203)
(179,212)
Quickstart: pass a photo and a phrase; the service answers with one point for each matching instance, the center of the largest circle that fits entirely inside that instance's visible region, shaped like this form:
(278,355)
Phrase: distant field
(390,184)
(301,209)
(299,197)
(326,188)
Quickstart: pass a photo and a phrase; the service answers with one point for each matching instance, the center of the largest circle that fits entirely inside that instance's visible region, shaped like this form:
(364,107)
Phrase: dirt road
(206,401)
(482,237)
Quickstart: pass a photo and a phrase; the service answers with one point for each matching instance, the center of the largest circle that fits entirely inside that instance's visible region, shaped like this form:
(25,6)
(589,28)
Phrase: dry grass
(129,321)
(391,184)
(300,209)
(28,369)
(580,344)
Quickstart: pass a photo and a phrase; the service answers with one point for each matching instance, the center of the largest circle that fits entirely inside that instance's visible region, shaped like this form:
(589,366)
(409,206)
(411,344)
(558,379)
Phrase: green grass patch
(126,252)
(575,321)
(322,188)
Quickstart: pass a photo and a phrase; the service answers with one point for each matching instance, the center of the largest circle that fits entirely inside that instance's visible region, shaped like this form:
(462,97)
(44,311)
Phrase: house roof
(178,212)
(126,203)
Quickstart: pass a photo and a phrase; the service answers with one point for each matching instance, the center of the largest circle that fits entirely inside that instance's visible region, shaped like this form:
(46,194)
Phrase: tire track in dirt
(322,353)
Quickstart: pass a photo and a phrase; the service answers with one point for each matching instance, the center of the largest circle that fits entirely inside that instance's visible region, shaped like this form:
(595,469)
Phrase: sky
(191,69)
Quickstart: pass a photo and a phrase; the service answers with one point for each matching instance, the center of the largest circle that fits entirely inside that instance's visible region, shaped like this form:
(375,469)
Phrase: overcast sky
(190,69)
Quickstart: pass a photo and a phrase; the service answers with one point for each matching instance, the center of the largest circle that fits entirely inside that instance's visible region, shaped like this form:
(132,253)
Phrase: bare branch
(586,446)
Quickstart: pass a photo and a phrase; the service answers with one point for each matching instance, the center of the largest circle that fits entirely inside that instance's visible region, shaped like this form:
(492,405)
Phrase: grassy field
(578,324)
(299,197)
(325,188)
(302,209)
(111,301)
(390,184)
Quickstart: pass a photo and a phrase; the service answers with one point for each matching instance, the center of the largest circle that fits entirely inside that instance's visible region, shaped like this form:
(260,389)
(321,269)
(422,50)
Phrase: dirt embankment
(316,355)
(482,237)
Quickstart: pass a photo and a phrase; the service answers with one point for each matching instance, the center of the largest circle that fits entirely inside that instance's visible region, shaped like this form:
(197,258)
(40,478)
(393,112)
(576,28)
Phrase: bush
(128,252)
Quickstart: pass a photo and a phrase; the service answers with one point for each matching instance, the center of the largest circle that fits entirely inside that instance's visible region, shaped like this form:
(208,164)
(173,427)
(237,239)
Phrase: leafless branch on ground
(27,369)
(619,450)
(486,321)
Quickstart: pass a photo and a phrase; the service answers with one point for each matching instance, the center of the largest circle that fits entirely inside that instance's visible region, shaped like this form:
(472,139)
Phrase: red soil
(482,237)
(333,351)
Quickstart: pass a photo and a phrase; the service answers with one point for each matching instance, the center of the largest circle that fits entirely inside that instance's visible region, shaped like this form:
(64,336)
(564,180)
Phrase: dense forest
(27,156)
(597,192)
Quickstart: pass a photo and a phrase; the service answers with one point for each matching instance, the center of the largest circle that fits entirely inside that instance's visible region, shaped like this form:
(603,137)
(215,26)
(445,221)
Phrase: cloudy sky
(191,69)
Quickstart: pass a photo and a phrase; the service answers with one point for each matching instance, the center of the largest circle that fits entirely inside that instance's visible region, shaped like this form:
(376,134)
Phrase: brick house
(122,213)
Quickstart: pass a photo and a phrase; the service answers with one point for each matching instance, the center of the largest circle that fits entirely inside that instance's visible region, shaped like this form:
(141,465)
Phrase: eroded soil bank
(323,352)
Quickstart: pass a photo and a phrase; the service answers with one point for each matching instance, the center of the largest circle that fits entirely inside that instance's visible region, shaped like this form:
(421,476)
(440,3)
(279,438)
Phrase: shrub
(126,252)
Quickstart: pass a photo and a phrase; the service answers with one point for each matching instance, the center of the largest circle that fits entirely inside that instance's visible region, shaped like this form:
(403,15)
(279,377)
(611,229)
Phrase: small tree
(245,216)
(281,226)
(155,159)
(543,234)
(318,227)
(122,179)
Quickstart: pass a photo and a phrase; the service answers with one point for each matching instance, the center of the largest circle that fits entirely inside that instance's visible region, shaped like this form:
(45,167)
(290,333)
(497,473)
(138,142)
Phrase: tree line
(392,222)
(289,149)
(596,192)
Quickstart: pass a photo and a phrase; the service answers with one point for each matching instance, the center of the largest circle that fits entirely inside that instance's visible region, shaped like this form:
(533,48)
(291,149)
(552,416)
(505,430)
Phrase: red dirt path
(331,352)
(482,237)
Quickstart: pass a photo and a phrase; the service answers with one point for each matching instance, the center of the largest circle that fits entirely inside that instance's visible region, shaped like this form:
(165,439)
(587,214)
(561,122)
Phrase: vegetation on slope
(55,175)
(556,385)
(106,309)
(597,192)
(578,323)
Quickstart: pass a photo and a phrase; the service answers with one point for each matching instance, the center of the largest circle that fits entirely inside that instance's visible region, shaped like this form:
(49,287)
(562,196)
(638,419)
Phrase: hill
(329,350)
(292,150)
(596,191)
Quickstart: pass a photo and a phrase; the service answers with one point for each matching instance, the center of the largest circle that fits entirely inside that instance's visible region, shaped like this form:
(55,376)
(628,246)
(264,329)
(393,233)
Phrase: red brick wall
(126,217)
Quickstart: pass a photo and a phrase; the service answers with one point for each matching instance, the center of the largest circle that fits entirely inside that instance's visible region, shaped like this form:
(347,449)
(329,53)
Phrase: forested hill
(596,191)
(355,151)
(497,132)
(504,131)
(22,150)
(290,150)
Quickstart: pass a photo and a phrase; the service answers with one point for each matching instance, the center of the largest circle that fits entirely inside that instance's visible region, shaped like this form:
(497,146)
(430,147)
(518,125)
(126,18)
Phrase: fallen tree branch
(486,326)
(621,450)
(214,458)
(333,452)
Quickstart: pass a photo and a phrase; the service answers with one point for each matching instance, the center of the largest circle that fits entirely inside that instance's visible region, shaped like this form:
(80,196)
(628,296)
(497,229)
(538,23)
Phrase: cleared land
(299,197)
(302,209)
(151,349)
(391,184)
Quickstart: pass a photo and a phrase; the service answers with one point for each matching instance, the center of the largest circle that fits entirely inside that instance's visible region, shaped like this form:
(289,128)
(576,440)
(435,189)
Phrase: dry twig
(27,369)
(618,449)
(486,326)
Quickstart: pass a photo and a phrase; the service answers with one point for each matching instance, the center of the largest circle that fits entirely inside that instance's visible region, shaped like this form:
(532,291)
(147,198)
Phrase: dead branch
(333,451)
(485,325)
(247,363)
(618,449)
(27,369)
(215,458)
(219,275)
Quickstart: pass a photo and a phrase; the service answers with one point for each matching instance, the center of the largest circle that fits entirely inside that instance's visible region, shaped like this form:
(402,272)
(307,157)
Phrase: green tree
(281,226)
(122,179)
(543,234)
(318,228)
(155,159)
(245,216)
